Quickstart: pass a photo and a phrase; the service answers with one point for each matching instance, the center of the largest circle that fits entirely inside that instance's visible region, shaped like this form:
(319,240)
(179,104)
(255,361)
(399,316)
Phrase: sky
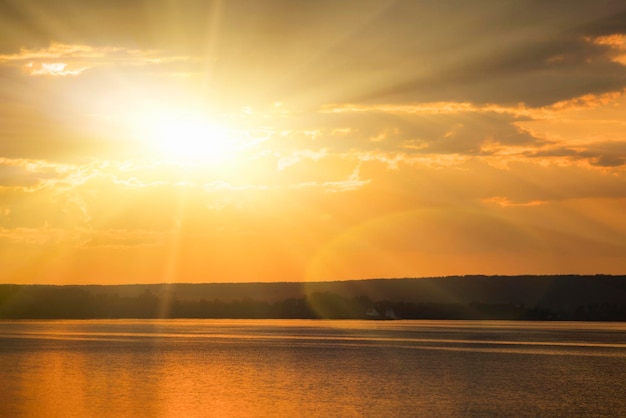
(273,140)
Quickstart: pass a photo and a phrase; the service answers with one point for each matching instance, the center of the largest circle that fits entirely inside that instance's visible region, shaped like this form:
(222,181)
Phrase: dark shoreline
(564,298)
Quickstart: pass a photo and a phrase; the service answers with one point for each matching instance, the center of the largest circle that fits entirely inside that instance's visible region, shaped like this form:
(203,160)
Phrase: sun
(187,137)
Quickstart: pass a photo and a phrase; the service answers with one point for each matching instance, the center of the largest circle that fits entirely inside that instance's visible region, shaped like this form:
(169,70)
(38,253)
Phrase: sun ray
(187,137)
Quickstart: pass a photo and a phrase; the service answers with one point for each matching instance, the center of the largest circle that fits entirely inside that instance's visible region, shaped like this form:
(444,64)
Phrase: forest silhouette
(583,298)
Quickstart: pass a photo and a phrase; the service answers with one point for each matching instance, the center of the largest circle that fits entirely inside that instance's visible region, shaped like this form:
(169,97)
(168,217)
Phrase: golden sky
(274,140)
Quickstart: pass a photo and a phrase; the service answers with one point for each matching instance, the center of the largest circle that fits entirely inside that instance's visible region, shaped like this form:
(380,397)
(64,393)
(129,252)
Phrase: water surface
(186,368)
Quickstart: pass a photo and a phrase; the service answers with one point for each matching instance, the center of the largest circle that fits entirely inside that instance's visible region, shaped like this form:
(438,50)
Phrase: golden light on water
(294,367)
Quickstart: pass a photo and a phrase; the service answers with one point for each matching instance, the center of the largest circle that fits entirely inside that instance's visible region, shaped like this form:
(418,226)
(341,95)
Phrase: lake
(187,368)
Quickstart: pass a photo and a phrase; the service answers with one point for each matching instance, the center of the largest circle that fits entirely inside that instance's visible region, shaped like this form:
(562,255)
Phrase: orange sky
(198,141)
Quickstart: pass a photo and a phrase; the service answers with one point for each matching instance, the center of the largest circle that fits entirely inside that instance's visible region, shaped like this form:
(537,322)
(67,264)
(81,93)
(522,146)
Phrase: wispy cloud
(617,45)
(60,59)
(53,69)
(505,202)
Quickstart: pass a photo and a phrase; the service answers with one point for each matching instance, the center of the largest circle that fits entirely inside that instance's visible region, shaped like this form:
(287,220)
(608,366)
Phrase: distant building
(372,313)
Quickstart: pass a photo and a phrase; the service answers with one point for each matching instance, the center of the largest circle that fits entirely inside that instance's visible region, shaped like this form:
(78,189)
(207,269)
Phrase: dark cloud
(608,25)
(352,51)
(530,76)
(537,53)
(602,154)
(538,65)
(367,131)
(609,160)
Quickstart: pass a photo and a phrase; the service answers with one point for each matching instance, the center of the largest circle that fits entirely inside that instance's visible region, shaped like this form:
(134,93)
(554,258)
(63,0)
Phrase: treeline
(60,302)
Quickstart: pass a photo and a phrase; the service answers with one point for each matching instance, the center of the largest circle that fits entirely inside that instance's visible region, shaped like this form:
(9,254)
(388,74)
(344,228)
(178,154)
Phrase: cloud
(505,202)
(298,156)
(60,59)
(355,52)
(32,175)
(396,131)
(423,52)
(354,182)
(597,154)
(617,43)
(53,69)
(592,129)
(612,22)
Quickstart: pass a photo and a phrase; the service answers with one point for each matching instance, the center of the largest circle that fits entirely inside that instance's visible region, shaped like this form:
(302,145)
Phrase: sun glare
(187,137)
